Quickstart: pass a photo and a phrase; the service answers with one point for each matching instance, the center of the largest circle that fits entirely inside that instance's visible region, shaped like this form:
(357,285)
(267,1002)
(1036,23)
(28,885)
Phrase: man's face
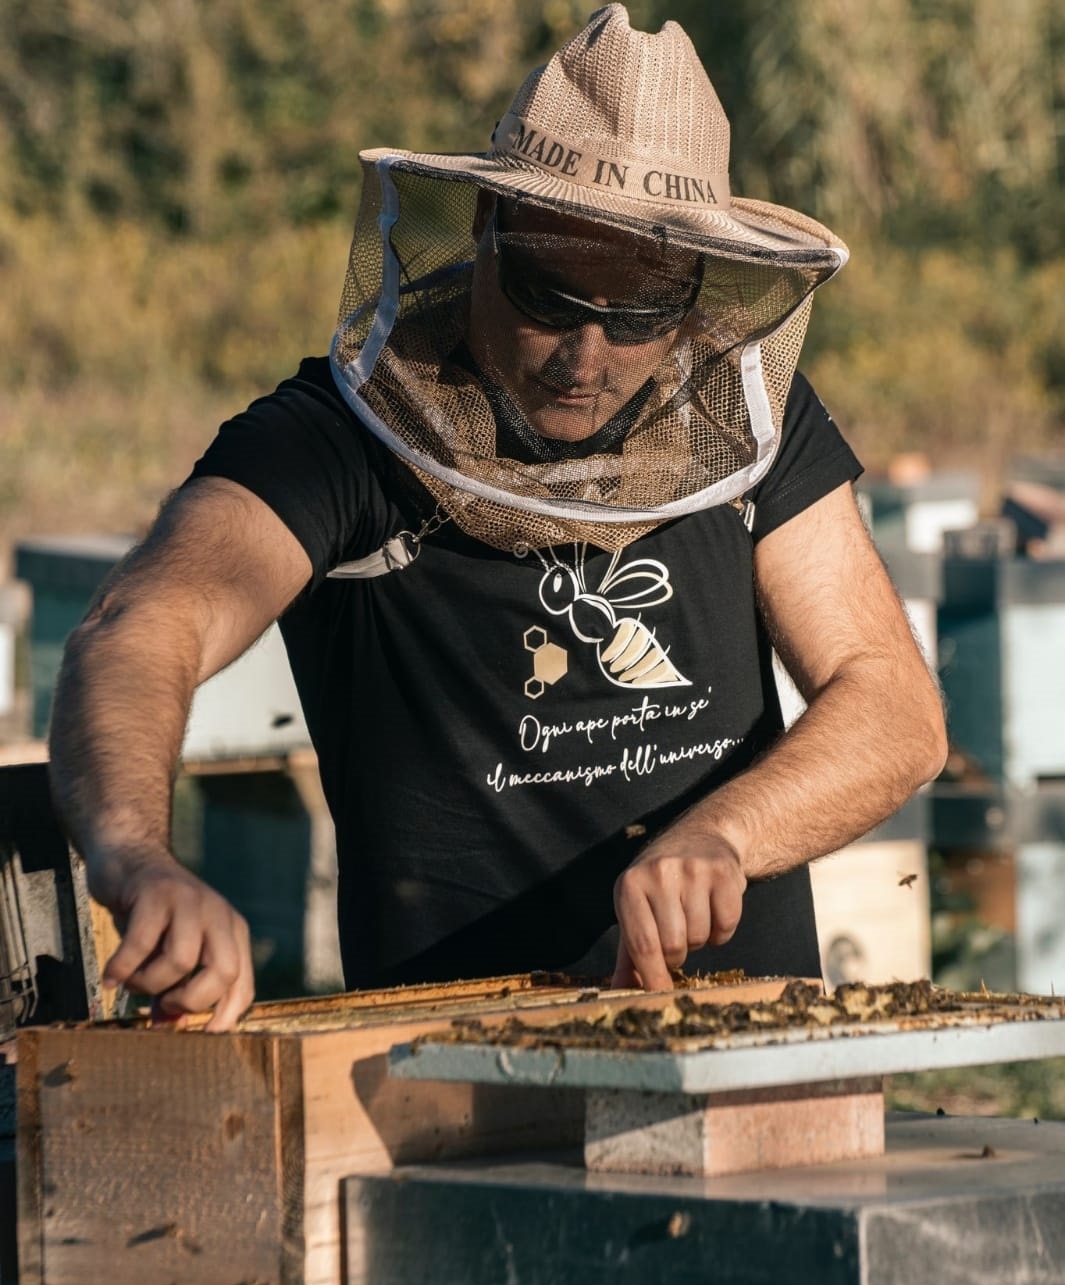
(571,317)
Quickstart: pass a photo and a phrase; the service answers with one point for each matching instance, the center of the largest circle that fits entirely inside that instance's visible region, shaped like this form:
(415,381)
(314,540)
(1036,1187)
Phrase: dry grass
(936,352)
(121,353)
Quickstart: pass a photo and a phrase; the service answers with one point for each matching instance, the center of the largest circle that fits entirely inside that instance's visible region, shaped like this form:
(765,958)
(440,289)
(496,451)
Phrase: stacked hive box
(872,897)
(201,1159)
(1002,630)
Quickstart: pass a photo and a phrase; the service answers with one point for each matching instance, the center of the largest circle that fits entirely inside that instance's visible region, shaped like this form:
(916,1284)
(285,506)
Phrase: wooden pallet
(151,1155)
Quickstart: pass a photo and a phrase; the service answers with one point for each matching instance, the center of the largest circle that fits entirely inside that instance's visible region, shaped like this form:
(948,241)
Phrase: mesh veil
(680,424)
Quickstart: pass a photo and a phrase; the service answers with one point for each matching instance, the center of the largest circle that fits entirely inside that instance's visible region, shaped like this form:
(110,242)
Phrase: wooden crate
(154,1155)
(8,1274)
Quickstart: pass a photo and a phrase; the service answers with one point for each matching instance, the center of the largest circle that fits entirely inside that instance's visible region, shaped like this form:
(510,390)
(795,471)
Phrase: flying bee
(628,652)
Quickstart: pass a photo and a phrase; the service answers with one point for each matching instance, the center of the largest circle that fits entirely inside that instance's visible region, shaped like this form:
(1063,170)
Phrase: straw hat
(621,128)
(624,127)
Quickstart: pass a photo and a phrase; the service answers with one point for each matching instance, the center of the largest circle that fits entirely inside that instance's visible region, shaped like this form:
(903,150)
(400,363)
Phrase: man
(530,533)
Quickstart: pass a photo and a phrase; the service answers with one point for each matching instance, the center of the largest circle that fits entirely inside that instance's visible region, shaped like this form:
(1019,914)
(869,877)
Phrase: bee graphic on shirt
(628,652)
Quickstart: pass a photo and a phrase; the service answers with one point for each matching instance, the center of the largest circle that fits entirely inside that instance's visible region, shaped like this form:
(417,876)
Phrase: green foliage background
(178,180)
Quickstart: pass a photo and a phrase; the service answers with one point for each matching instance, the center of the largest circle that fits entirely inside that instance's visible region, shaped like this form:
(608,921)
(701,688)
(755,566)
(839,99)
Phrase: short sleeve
(302,453)
(813,459)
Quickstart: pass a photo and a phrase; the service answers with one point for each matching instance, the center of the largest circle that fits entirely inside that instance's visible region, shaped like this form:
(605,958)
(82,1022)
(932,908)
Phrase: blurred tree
(212,117)
(915,120)
(931,135)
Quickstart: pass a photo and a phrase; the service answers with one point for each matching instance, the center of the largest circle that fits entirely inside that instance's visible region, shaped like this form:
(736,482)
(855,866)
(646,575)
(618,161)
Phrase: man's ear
(486,203)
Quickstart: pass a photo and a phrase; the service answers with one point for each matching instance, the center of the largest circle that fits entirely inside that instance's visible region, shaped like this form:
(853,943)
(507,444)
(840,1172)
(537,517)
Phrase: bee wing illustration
(643,583)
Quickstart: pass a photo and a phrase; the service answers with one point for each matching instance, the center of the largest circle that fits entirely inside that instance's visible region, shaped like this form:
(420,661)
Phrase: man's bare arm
(218,567)
(872,733)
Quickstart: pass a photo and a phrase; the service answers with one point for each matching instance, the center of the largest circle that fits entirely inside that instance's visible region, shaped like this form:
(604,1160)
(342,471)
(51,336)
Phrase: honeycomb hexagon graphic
(550,662)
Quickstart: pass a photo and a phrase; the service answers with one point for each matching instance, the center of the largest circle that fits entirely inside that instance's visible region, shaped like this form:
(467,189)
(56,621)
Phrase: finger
(141,940)
(195,994)
(241,994)
(230,1011)
(179,955)
(697,918)
(639,932)
(672,924)
(158,1016)
(220,968)
(726,908)
(624,974)
(234,1006)
(224,962)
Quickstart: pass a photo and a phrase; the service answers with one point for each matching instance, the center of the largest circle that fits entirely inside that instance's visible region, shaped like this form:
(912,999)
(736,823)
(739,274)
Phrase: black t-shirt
(498,736)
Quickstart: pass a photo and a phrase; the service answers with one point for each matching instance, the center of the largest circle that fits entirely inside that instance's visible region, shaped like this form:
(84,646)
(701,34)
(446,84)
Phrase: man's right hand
(181,941)
(216,569)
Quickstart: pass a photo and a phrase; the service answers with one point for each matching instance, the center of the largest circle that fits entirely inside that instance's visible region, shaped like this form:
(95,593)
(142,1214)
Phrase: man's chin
(567,423)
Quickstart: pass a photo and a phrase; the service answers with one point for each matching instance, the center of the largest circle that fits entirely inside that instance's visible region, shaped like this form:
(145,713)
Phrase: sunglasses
(557,310)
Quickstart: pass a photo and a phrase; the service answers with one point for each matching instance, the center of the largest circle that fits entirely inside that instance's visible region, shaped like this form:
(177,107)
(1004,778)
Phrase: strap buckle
(396,554)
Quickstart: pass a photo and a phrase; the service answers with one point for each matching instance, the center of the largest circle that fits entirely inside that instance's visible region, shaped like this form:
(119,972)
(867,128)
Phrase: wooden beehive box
(154,1155)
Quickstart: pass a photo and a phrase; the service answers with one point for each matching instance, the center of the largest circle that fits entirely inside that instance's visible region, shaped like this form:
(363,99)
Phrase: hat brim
(753,231)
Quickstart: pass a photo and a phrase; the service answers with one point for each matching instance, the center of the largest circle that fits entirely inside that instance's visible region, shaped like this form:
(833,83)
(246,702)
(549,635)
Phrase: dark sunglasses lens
(620,325)
(560,311)
(634,328)
(539,305)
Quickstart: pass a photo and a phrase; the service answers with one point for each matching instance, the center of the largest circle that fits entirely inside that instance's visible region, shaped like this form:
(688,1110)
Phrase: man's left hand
(684,891)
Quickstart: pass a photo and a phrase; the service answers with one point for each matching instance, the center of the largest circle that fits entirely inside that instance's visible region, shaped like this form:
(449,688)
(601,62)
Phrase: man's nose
(585,349)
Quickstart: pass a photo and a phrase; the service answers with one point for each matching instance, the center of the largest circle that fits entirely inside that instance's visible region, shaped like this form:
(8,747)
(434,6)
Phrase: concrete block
(721,1133)
(953,1201)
